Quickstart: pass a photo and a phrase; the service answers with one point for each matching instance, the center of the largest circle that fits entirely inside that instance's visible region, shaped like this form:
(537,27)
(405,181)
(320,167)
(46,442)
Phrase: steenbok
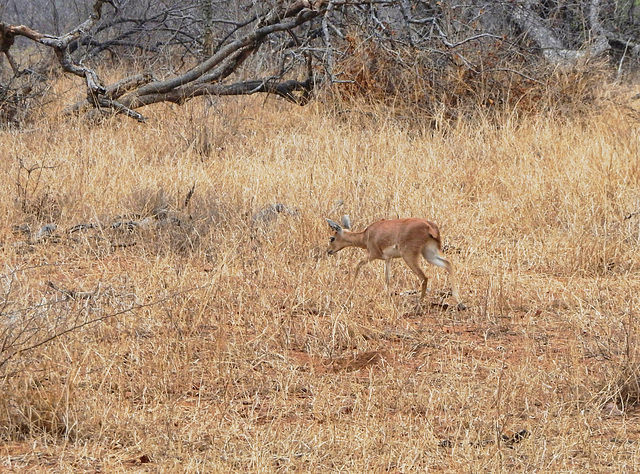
(395,238)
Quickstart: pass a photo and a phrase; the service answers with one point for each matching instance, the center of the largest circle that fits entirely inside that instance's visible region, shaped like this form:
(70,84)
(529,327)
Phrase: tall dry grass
(227,344)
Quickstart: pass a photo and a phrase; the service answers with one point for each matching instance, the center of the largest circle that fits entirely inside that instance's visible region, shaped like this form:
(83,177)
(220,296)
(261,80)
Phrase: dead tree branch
(206,77)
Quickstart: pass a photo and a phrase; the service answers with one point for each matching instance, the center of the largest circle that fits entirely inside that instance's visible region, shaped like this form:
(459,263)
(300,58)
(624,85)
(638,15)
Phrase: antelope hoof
(461,307)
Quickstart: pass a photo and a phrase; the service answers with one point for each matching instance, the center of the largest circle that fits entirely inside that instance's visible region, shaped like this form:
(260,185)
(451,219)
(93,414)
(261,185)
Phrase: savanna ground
(228,340)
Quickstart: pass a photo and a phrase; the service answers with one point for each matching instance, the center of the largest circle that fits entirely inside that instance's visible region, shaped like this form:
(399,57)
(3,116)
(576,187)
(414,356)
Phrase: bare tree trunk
(207,14)
(552,48)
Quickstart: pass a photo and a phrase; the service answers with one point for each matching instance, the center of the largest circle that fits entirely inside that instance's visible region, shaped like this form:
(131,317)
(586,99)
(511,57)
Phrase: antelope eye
(331,239)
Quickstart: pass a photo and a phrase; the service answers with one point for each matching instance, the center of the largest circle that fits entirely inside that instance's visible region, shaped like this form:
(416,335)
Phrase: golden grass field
(228,343)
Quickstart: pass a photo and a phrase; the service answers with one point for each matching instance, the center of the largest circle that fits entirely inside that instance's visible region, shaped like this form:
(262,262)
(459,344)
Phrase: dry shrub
(620,392)
(161,224)
(44,206)
(479,76)
(11,105)
(192,229)
(626,387)
(37,411)
(22,97)
(36,197)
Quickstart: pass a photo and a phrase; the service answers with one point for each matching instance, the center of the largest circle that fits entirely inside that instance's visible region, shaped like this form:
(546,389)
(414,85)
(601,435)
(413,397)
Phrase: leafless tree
(185,49)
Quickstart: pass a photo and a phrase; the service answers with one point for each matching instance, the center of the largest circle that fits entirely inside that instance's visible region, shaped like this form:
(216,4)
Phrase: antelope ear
(346,223)
(334,225)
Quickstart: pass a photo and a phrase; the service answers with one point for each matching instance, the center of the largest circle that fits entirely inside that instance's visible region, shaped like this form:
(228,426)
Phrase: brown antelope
(386,239)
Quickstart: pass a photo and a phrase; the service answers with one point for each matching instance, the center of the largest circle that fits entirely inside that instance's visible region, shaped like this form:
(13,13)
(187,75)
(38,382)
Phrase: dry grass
(227,344)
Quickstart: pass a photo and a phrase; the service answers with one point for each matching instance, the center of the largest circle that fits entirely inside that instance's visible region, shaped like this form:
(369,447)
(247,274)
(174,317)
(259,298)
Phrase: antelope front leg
(358,267)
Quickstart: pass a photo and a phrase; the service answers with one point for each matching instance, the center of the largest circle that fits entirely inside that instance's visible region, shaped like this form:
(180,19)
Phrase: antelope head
(338,241)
